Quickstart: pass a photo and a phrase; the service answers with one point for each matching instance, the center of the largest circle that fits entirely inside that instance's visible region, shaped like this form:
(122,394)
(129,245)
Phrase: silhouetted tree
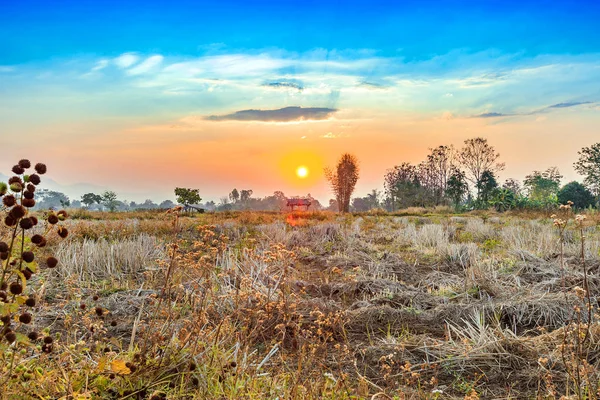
(457,186)
(234,196)
(109,199)
(343,179)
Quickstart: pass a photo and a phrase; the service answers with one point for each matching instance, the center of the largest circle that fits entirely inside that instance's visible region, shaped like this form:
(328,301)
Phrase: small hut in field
(298,202)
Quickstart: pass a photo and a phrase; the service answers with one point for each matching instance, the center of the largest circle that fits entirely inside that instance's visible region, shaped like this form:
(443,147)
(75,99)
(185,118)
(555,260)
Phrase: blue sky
(155,83)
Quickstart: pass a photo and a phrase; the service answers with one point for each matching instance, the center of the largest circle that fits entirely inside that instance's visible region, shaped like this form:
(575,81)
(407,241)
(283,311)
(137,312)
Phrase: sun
(302,172)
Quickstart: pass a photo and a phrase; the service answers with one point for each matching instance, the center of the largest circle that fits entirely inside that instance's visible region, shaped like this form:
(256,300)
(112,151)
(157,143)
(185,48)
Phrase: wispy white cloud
(100,65)
(146,66)
(126,60)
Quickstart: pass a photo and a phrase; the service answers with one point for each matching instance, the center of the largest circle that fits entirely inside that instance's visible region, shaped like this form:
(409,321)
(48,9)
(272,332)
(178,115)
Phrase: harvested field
(248,305)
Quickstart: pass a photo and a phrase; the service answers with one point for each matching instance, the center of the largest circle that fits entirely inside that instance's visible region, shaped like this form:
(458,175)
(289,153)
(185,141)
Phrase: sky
(142,97)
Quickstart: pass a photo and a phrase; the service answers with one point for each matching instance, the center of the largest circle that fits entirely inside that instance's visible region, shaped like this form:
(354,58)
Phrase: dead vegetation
(324,306)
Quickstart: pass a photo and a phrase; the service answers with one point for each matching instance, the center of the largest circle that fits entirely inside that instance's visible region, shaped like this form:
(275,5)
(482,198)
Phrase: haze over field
(140,99)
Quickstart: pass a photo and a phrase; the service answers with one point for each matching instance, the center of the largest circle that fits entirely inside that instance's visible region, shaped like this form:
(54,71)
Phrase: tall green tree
(542,186)
(588,165)
(457,187)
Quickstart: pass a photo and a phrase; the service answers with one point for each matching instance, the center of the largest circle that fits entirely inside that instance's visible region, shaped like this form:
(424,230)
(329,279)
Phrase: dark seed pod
(47,348)
(99,311)
(15,288)
(29,203)
(40,168)
(10,337)
(27,274)
(132,368)
(95,298)
(111,376)
(28,256)
(35,179)
(15,179)
(62,232)
(25,318)
(5,320)
(3,247)
(4,256)
(192,366)
(48,340)
(17,169)
(28,195)
(17,212)
(52,262)
(9,200)
(52,219)
(25,164)
(113,323)
(82,306)
(34,220)
(30,302)
(195,381)
(37,239)
(33,335)
(42,243)
(3,295)
(4,286)
(62,215)
(10,221)
(30,187)
(26,223)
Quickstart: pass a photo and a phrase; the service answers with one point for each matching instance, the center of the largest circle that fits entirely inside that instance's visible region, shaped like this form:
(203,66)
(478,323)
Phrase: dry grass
(313,305)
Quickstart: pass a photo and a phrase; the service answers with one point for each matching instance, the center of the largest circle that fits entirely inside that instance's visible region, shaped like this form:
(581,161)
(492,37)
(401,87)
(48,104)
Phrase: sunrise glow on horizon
(143,97)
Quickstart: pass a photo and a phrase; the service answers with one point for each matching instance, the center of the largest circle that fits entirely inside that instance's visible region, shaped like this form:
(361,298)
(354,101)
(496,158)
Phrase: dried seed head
(37,239)
(99,311)
(3,188)
(28,195)
(29,203)
(26,223)
(95,298)
(17,169)
(28,256)
(30,187)
(40,168)
(9,200)
(52,219)
(27,274)
(48,340)
(52,262)
(113,323)
(25,318)
(3,295)
(15,179)
(30,302)
(34,220)
(24,163)
(47,348)
(42,243)
(62,232)
(10,337)
(35,179)
(4,286)
(16,187)
(17,212)
(33,335)
(3,247)
(5,319)
(82,306)
(15,288)
(10,221)
(4,255)
(62,215)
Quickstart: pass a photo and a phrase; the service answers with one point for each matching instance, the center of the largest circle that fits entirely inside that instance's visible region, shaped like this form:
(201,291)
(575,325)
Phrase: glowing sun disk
(302,172)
